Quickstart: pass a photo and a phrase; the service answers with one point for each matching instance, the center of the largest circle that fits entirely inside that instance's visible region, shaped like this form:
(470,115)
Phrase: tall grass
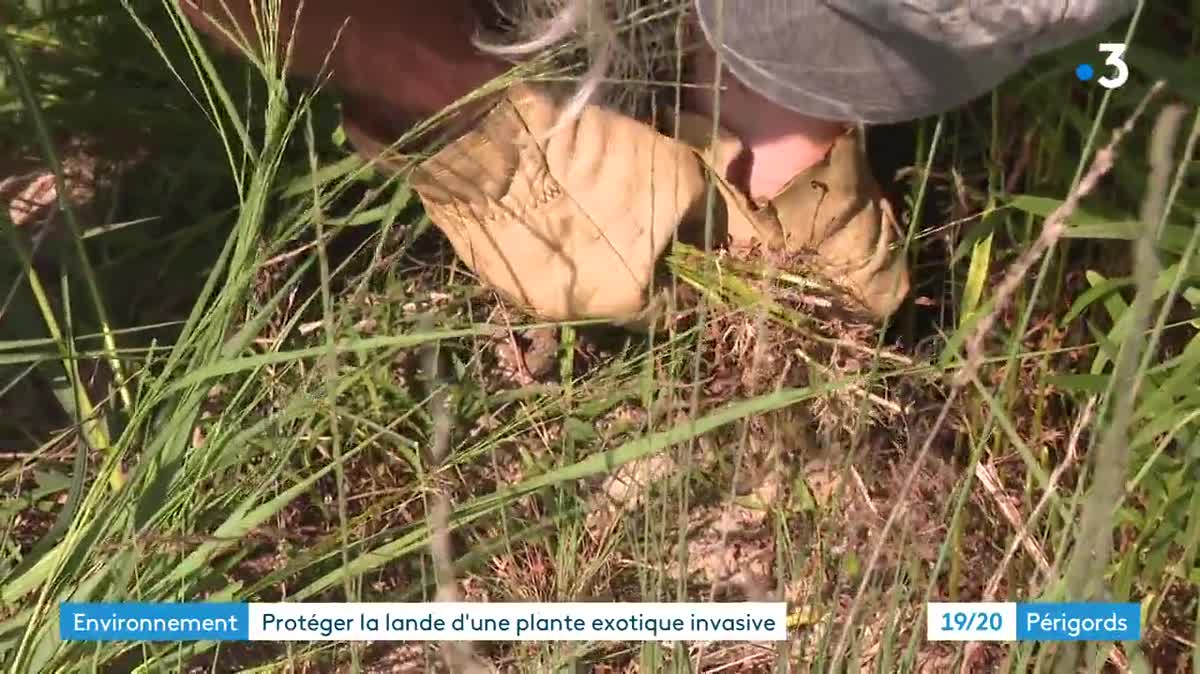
(218,384)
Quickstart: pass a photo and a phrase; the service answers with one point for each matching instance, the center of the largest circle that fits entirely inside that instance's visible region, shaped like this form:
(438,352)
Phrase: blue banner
(154,622)
(1078,621)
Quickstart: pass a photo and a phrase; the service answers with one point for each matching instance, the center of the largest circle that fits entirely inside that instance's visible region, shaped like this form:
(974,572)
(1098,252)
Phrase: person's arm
(413,57)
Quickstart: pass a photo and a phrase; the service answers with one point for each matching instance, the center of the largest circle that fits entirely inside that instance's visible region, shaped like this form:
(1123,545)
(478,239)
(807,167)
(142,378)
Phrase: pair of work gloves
(569,216)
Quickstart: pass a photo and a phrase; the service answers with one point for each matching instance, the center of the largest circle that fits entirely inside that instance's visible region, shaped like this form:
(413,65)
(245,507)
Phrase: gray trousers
(891,60)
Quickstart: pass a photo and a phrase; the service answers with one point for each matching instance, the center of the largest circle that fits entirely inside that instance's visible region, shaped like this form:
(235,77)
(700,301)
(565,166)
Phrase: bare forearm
(414,54)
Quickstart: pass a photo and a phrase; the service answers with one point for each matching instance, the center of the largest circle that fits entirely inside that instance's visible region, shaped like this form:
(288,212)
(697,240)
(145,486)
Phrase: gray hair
(632,43)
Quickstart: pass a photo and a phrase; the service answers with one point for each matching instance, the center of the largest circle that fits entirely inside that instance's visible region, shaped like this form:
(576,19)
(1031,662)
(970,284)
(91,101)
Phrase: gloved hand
(571,224)
(834,211)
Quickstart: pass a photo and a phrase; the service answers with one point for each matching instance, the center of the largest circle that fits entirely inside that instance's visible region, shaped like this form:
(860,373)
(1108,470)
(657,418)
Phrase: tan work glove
(569,225)
(833,210)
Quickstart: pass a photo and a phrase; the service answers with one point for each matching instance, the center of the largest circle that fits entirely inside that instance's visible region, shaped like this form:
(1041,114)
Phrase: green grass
(227,377)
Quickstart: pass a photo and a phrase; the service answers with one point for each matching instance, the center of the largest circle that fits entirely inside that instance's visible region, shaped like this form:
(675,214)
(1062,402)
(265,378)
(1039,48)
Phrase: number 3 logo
(1116,59)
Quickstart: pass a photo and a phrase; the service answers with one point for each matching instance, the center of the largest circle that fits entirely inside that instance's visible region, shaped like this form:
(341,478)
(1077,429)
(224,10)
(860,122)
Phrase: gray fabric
(882,61)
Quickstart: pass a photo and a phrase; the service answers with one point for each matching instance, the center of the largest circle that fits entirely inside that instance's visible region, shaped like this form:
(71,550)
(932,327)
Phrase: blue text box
(199,621)
(1078,621)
